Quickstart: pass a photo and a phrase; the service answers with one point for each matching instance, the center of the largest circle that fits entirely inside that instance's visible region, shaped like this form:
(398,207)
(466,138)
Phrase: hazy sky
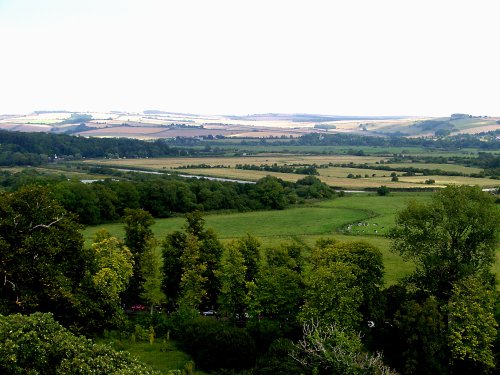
(349,57)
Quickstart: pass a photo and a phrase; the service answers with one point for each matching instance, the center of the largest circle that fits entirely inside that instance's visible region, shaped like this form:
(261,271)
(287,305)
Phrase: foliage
(114,266)
(190,260)
(333,295)
(343,286)
(330,349)
(271,193)
(37,344)
(278,289)
(249,247)
(139,239)
(471,325)
(215,345)
(172,249)
(192,284)
(278,360)
(368,268)
(231,275)
(383,190)
(152,291)
(421,344)
(20,148)
(450,238)
(43,262)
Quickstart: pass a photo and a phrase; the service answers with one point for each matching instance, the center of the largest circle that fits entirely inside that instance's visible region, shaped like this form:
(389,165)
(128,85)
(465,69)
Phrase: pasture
(305,225)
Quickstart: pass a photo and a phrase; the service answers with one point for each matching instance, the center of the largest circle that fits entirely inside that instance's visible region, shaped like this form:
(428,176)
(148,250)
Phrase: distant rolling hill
(153,124)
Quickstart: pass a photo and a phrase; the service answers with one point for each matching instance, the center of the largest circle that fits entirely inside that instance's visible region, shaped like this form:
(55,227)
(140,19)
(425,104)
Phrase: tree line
(164,196)
(17,148)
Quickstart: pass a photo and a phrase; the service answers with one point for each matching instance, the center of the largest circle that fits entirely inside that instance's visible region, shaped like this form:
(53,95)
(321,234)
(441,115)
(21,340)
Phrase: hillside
(154,124)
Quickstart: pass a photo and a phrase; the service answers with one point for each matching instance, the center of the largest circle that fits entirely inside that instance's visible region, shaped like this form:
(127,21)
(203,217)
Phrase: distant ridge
(305,117)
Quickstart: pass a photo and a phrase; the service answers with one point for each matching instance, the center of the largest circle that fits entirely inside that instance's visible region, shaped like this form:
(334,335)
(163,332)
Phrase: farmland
(361,178)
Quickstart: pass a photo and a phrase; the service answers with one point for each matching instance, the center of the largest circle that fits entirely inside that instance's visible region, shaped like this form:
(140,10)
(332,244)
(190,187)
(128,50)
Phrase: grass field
(306,225)
(162,355)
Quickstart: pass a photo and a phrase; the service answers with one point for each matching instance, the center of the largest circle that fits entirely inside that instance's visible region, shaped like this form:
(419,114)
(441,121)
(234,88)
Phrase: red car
(137,307)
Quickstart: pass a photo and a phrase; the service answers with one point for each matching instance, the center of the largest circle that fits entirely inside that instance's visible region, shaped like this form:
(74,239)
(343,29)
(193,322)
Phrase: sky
(337,57)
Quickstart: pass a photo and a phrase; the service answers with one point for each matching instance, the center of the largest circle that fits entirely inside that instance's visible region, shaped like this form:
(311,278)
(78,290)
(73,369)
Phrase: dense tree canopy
(452,237)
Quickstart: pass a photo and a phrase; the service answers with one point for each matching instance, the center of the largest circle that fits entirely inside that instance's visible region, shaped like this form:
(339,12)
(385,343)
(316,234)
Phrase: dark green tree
(233,291)
(41,251)
(138,238)
(37,344)
(452,237)
(249,248)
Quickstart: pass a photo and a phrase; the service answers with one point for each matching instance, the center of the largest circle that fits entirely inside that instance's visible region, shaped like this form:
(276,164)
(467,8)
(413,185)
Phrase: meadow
(305,224)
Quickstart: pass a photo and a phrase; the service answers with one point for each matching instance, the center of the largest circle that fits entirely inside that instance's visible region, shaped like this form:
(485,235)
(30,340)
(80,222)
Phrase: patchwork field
(333,176)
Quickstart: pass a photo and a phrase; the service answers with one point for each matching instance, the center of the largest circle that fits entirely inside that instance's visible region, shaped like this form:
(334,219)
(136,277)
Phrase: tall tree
(231,274)
(152,292)
(452,237)
(41,251)
(208,255)
(172,249)
(278,289)
(138,238)
(452,241)
(472,327)
(193,281)
(249,248)
(367,265)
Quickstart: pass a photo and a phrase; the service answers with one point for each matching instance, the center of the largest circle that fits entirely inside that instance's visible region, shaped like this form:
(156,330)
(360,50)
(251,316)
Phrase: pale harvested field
(332,180)
(266,134)
(333,176)
(25,127)
(447,180)
(168,163)
(443,167)
(480,129)
(150,132)
(338,177)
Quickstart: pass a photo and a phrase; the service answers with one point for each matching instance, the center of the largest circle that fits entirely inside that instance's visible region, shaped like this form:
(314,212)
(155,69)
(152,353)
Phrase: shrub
(37,344)
(383,190)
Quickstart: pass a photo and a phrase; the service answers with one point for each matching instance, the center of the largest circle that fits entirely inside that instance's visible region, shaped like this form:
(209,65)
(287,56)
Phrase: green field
(163,355)
(306,225)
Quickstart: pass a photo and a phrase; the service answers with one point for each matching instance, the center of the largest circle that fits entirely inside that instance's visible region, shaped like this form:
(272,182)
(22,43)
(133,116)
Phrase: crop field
(169,163)
(475,124)
(447,180)
(333,176)
(444,167)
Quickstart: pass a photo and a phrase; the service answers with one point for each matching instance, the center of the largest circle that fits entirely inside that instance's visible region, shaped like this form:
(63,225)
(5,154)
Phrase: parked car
(138,307)
(209,313)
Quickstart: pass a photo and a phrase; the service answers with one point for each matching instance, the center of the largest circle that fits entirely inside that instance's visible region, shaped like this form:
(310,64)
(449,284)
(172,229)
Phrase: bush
(278,361)
(383,190)
(37,344)
(264,332)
